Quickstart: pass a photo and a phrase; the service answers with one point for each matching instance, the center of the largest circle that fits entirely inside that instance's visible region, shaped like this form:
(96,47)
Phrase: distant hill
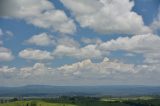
(45,90)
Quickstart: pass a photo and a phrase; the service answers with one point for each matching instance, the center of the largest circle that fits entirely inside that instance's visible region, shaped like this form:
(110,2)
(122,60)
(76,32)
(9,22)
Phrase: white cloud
(6,69)
(42,39)
(9,33)
(7,72)
(62,50)
(88,69)
(35,54)
(147,45)
(5,54)
(137,43)
(37,70)
(104,16)
(107,16)
(152,57)
(55,20)
(87,52)
(67,46)
(5,33)
(156,23)
(67,41)
(41,13)
(85,69)
(91,40)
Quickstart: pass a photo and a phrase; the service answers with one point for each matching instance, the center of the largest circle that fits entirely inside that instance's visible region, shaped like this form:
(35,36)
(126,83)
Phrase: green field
(42,103)
(35,103)
(87,101)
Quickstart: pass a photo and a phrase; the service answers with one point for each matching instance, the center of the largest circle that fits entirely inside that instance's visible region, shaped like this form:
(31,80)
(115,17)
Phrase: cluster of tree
(8,100)
(74,99)
(141,102)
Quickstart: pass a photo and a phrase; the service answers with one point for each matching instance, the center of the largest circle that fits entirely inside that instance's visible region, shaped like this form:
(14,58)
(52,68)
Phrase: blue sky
(88,42)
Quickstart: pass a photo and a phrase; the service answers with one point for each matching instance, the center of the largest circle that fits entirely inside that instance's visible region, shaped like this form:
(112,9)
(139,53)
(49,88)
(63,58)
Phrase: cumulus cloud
(91,40)
(84,69)
(62,50)
(37,70)
(88,69)
(67,41)
(156,23)
(7,72)
(103,16)
(144,44)
(5,54)
(5,33)
(135,43)
(107,16)
(35,54)
(67,46)
(41,13)
(112,71)
(87,52)
(9,33)
(42,39)
(106,71)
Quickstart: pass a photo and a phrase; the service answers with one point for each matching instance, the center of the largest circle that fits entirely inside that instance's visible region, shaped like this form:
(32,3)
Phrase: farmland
(87,101)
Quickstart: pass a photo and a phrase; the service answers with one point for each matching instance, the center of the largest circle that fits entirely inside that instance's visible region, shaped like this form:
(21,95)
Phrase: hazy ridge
(46,90)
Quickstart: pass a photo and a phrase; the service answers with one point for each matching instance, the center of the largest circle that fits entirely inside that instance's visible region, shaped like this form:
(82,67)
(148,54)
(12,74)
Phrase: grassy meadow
(34,103)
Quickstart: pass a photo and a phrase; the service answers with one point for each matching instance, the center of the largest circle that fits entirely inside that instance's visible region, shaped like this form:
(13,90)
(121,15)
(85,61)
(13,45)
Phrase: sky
(79,42)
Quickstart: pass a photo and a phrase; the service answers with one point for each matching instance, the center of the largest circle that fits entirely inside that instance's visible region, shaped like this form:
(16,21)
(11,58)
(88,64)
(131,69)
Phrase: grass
(42,103)
(34,103)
